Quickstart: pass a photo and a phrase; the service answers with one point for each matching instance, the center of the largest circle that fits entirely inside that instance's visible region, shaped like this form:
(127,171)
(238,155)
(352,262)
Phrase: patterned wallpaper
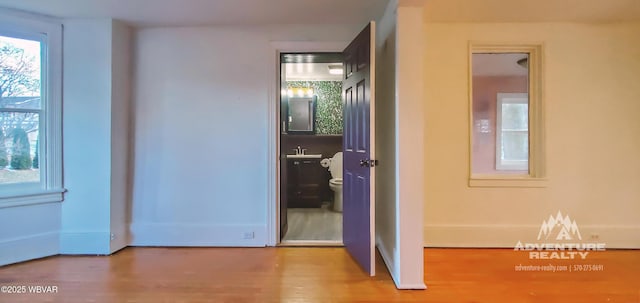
(329,107)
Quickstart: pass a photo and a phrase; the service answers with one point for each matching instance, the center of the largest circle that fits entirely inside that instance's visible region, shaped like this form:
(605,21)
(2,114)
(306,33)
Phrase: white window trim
(48,30)
(537,147)
(510,98)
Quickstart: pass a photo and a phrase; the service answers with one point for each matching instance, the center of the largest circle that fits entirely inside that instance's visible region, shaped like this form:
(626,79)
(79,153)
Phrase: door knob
(368,163)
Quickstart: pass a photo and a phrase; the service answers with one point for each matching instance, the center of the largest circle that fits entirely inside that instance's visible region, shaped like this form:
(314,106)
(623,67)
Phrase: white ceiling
(532,10)
(262,12)
(209,12)
(497,65)
(146,13)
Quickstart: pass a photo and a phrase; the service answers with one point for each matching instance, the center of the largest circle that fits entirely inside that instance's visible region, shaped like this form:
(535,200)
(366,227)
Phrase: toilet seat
(335,166)
(336,181)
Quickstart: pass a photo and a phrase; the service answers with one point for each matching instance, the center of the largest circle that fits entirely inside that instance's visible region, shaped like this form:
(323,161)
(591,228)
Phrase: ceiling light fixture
(336,69)
(524,62)
(299,92)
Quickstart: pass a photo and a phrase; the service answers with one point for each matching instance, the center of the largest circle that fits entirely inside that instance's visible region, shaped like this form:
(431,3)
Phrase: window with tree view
(20,110)
(30,110)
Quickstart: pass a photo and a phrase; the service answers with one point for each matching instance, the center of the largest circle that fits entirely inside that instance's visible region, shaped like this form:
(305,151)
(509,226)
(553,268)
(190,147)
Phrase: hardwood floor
(314,224)
(317,275)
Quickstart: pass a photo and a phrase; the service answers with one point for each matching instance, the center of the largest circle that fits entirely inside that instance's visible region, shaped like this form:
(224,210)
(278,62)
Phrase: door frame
(273,160)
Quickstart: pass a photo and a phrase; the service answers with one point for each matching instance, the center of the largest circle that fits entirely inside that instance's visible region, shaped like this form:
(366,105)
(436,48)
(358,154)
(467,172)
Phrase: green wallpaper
(329,107)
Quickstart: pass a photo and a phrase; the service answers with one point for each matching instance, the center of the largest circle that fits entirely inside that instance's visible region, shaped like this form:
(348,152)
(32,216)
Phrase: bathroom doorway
(311,126)
(297,119)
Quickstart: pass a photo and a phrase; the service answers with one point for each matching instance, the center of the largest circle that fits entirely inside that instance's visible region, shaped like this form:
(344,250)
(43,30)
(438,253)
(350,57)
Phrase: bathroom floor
(313,224)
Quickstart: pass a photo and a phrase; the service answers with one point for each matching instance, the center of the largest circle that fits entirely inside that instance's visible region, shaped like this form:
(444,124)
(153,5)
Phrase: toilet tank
(335,167)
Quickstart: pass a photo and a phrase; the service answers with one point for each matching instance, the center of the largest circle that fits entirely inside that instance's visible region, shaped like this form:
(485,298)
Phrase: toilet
(335,167)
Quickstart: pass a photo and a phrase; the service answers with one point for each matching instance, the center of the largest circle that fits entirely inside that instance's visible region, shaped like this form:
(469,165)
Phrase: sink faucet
(300,151)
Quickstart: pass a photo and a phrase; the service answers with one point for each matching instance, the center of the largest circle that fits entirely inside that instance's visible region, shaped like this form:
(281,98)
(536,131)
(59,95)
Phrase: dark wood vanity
(304,175)
(305,181)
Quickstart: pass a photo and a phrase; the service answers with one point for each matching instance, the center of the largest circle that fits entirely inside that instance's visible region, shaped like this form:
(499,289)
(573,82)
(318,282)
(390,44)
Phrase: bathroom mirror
(302,115)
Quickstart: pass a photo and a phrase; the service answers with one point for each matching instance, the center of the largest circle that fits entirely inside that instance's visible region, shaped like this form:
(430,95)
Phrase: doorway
(311,126)
(358,143)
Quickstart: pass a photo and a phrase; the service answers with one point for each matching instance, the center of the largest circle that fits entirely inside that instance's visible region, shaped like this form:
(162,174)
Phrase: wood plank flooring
(317,275)
(313,224)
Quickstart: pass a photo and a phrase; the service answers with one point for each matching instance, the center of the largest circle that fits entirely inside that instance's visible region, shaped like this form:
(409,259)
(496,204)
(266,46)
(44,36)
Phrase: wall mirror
(311,93)
(301,115)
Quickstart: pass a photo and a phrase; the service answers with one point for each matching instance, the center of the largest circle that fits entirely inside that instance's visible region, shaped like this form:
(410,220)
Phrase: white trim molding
(189,234)
(507,181)
(30,247)
(508,235)
(32,198)
(85,243)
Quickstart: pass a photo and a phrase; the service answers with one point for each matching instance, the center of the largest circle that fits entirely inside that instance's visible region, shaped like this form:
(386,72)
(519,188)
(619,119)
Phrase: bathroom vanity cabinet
(305,179)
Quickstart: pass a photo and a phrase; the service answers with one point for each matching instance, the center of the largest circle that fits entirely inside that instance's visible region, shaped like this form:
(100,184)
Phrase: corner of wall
(90,55)
(410,146)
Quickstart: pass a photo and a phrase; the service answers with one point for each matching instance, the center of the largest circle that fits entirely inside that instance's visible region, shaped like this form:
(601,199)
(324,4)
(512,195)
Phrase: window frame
(49,32)
(536,176)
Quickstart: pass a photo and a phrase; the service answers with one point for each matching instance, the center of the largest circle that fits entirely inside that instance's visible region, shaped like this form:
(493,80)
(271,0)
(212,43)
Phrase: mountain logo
(562,227)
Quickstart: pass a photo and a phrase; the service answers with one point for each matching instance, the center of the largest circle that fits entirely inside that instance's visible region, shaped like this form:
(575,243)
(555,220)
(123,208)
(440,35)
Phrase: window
(30,110)
(512,132)
(507,146)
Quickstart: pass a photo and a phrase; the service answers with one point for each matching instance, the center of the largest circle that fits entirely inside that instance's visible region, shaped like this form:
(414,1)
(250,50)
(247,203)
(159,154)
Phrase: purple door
(358,183)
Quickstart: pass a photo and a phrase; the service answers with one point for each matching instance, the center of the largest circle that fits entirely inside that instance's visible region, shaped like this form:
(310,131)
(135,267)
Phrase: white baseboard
(121,238)
(85,243)
(183,234)
(28,248)
(412,286)
(506,236)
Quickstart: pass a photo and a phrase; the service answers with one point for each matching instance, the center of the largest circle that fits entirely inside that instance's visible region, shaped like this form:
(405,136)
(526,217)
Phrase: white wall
(86,136)
(29,232)
(591,95)
(202,102)
(399,198)
(386,202)
(410,146)
(94,136)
